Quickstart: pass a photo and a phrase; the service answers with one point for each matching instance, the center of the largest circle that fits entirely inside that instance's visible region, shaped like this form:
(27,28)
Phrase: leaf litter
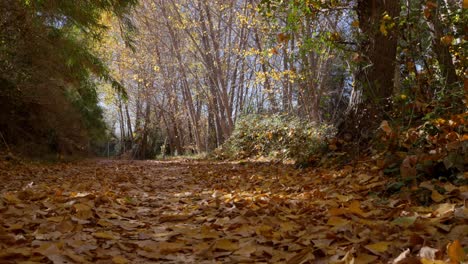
(212,212)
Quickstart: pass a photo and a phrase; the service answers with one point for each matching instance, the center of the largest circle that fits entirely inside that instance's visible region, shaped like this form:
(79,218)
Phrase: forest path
(110,211)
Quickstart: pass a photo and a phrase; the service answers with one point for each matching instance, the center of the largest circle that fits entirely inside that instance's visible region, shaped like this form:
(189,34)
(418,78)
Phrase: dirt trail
(106,211)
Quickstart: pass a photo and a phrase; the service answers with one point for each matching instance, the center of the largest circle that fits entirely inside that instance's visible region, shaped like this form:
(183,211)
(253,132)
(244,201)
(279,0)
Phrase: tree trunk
(441,50)
(380,49)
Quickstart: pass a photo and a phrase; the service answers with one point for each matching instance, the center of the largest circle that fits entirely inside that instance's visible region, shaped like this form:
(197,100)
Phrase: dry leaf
(226,244)
(379,247)
(456,252)
(120,260)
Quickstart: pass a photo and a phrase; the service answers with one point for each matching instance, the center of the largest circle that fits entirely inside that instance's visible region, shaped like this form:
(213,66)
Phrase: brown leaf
(301,257)
(226,244)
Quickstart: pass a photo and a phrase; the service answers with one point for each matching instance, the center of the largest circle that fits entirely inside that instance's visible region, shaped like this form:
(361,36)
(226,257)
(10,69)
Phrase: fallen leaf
(226,244)
(436,196)
(355,207)
(120,260)
(365,259)
(337,221)
(106,235)
(405,221)
(301,257)
(379,247)
(456,252)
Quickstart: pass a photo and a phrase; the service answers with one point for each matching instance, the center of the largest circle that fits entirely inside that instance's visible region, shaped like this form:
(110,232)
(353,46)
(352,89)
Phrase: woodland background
(284,79)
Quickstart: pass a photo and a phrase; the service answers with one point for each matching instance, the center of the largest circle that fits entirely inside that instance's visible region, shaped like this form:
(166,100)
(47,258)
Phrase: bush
(276,136)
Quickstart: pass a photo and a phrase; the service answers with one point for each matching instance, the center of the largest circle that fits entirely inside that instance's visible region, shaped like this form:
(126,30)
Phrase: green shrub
(276,136)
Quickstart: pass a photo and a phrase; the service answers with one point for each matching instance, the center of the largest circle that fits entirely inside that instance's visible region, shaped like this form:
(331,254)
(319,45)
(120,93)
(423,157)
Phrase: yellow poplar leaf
(337,221)
(379,247)
(436,196)
(456,252)
(120,260)
(226,244)
(105,235)
(355,207)
(337,211)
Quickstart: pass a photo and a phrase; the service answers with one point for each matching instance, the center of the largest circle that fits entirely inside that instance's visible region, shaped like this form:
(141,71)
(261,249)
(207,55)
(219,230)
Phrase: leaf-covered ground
(200,212)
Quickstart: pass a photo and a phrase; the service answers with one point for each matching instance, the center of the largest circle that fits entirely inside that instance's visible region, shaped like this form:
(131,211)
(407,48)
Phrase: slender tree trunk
(441,49)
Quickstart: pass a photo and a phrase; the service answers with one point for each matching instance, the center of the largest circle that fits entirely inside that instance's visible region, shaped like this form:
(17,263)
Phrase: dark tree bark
(380,49)
(375,77)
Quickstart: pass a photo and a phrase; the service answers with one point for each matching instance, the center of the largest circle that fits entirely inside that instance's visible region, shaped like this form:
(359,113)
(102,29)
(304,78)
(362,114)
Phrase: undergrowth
(276,136)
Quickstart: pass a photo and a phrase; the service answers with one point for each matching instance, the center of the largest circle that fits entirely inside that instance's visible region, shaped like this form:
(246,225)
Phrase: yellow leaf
(337,221)
(379,247)
(436,196)
(355,23)
(456,252)
(120,260)
(428,261)
(105,235)
(355,207)
(365,258)
(173,217)
(337,211)
(383,29)
(226,244)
